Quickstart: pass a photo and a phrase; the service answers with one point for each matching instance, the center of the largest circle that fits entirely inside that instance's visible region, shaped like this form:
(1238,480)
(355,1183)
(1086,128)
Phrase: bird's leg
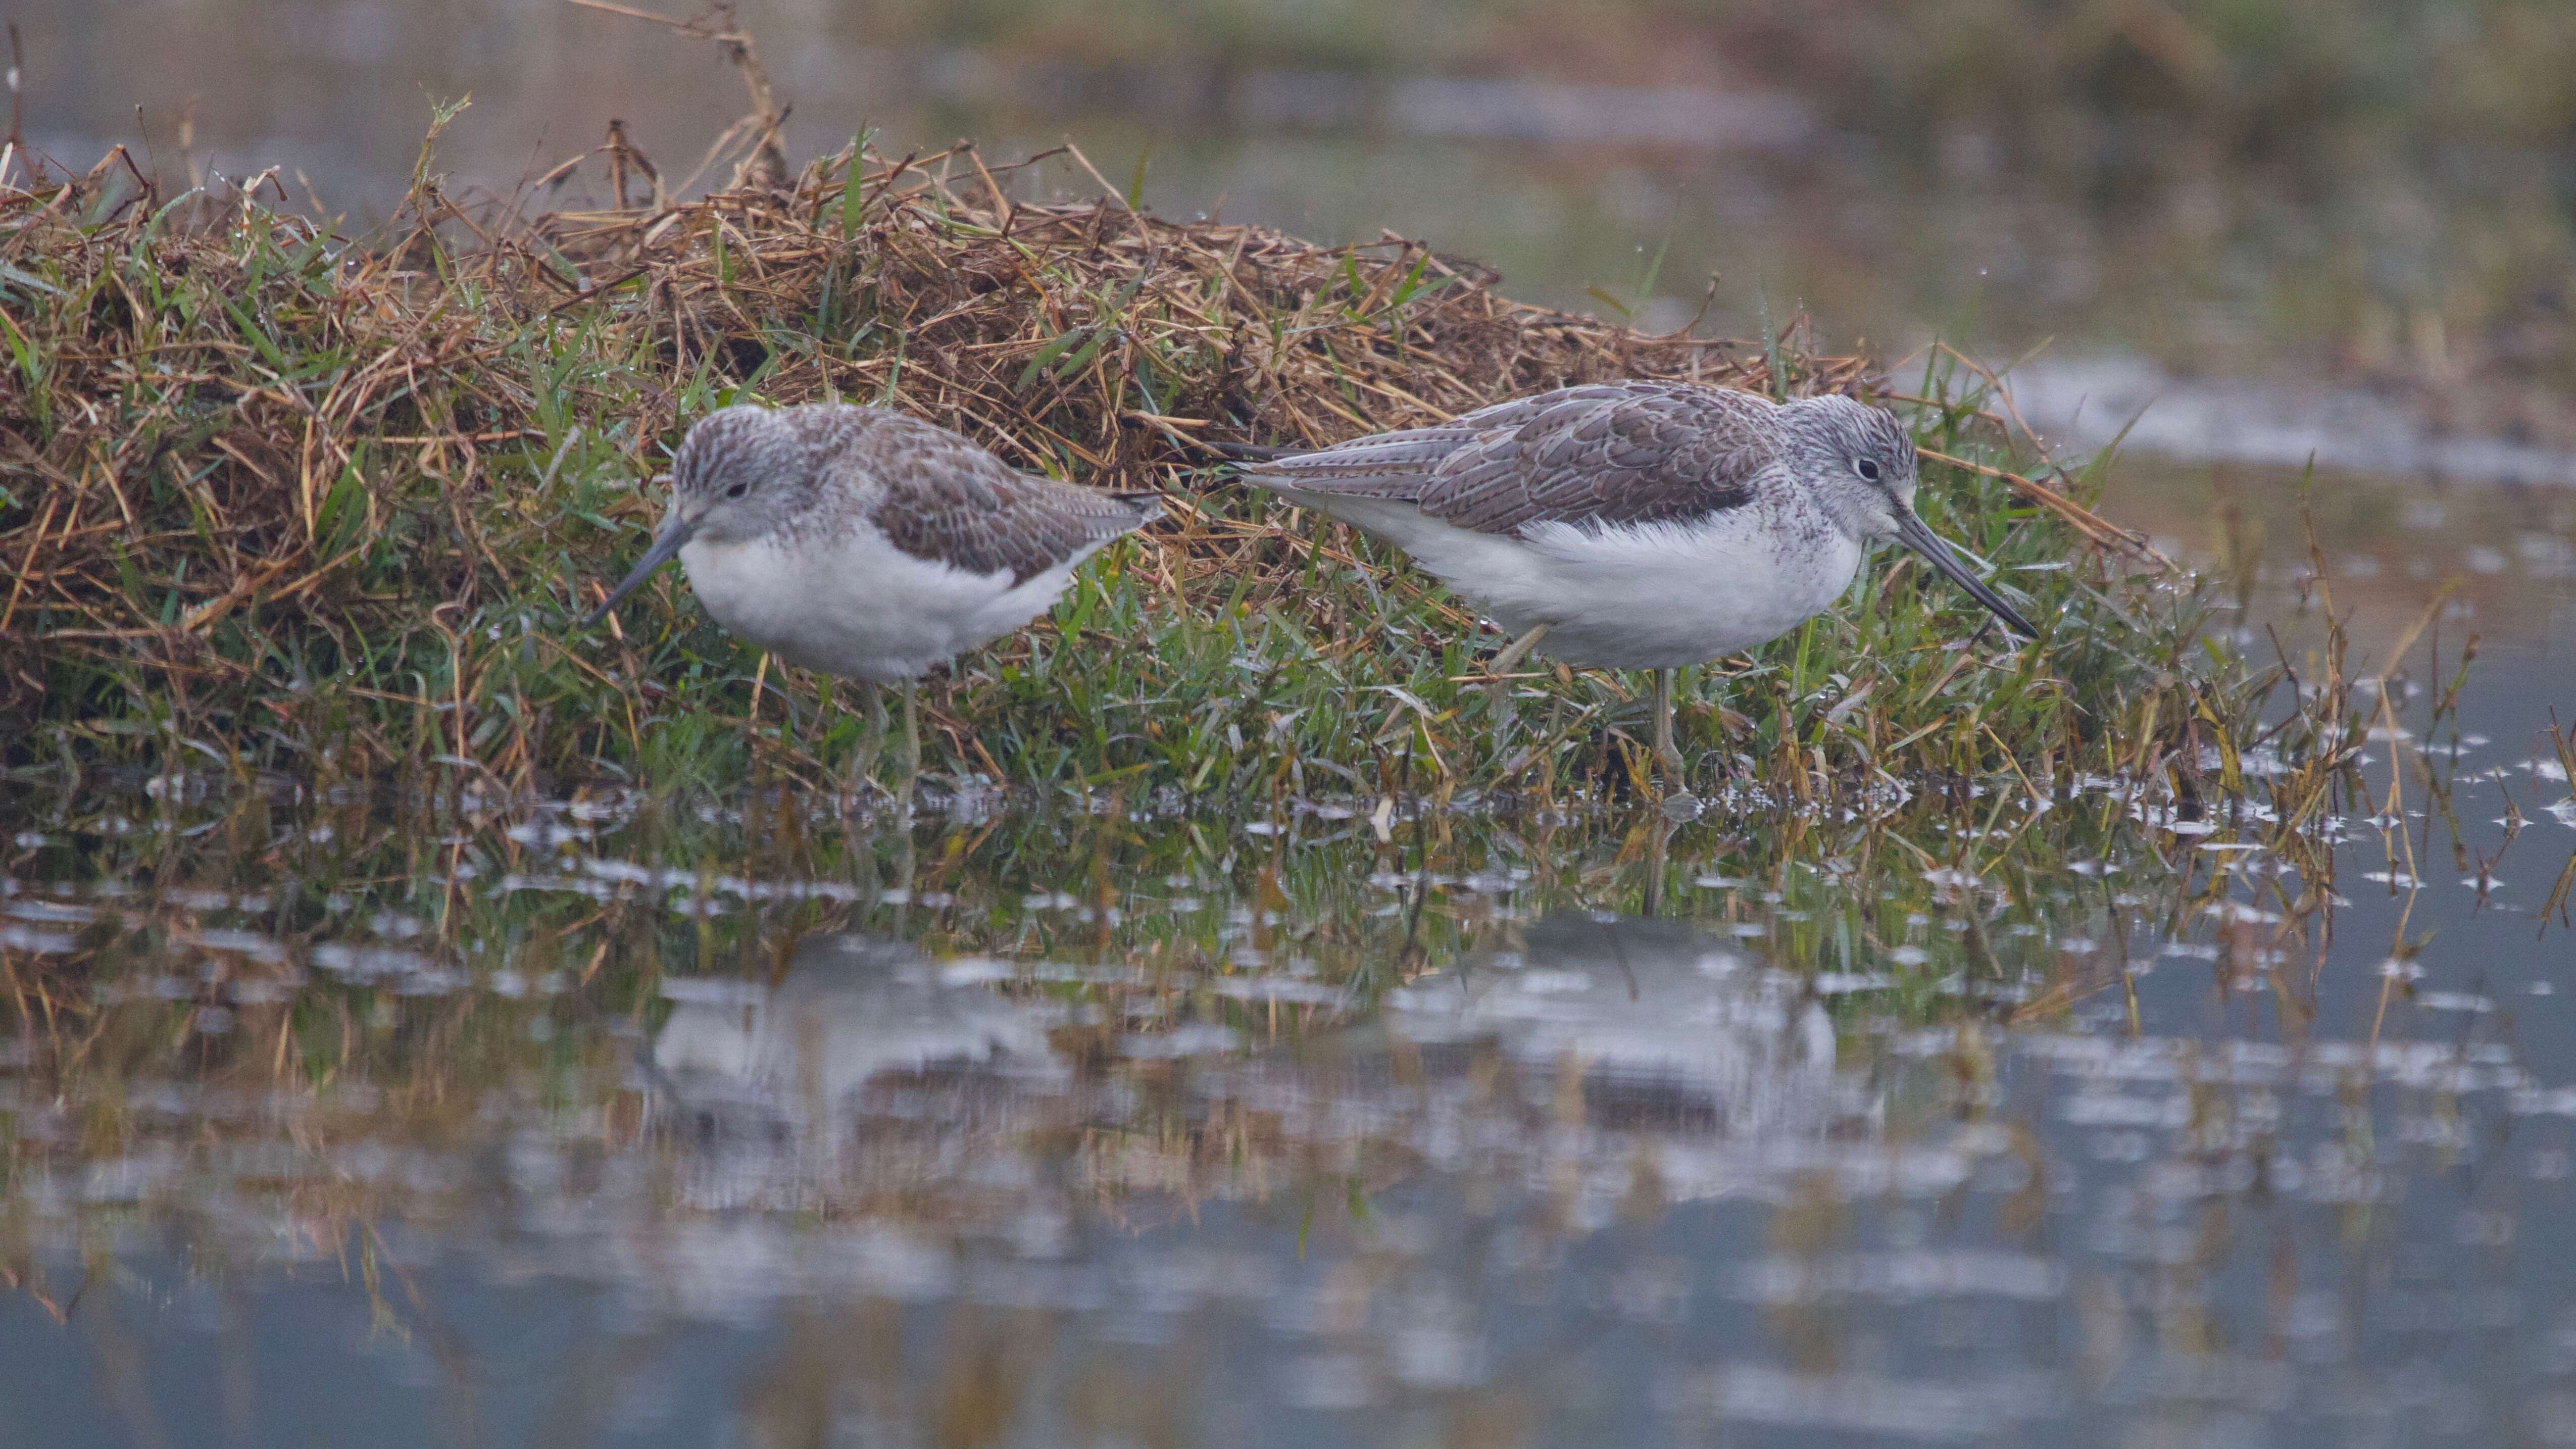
(1667,754)
(907,761)
(863,760)
(1499,701)
(1663,828)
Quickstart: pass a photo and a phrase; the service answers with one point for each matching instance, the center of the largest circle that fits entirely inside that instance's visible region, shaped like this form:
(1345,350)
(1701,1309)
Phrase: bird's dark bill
(1918,536)
(673,537)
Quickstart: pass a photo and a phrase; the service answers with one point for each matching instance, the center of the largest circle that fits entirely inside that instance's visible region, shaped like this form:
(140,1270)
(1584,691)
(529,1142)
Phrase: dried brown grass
(292,495)
(221,410)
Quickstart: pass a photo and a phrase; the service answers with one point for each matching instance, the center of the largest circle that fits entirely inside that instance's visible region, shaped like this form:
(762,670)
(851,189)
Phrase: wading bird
(863,543)
(1636,525)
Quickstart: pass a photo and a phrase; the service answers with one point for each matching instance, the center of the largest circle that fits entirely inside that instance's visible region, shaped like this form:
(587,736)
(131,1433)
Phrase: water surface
(399,1112)
(1954,1118)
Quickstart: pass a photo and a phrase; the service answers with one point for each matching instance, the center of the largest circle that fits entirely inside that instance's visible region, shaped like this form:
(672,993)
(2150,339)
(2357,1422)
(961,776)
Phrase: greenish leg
(863,759)
(1655,855)
(1499,699)
(1667,754)
(907,762)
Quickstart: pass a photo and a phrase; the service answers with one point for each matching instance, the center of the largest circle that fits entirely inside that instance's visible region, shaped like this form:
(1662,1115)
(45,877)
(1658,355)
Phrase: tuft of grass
(284,501)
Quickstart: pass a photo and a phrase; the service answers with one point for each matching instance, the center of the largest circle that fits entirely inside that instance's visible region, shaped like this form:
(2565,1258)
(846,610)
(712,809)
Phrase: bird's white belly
(1650,597)
(858,606)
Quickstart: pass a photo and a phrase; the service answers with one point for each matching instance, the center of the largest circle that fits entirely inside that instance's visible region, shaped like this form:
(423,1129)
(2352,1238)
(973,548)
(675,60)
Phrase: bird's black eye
(739,489)
(1867,468)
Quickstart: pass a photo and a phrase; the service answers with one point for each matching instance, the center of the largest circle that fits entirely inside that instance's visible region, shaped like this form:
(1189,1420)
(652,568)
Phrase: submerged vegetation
(393,976)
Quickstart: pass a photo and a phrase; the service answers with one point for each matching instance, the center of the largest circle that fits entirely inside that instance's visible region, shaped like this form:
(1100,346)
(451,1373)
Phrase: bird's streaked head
(1858,459)
(741,474)
(1860,462)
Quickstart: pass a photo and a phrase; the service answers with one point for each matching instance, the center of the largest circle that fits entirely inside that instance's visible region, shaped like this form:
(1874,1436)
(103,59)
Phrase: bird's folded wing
(963,506)
(1608,453)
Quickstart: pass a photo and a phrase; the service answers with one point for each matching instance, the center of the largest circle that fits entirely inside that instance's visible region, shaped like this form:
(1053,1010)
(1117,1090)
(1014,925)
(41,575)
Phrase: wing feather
(940,496)
(1605,453)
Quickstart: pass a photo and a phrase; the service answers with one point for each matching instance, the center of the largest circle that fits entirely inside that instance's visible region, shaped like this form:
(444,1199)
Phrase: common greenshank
(1636,525)
(864,543)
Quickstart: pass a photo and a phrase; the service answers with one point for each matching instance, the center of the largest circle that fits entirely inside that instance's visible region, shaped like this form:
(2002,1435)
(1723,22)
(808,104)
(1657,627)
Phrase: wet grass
(407,939)
(282,980)
(330,854)
(389,958)
(303,1034)
(281,502)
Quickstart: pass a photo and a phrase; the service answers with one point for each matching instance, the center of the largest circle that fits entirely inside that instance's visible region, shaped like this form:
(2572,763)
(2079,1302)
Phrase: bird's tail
(1148,506)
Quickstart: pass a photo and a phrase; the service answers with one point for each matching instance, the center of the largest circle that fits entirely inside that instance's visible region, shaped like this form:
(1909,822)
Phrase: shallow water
(336,1117)
(445,1119)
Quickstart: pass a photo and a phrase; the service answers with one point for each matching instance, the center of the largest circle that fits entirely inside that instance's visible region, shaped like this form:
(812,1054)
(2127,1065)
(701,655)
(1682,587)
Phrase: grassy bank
(299,746)
(278,501)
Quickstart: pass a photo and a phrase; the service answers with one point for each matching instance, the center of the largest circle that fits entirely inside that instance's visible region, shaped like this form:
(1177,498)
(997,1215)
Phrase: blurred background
(2364,195)
(1697,1200)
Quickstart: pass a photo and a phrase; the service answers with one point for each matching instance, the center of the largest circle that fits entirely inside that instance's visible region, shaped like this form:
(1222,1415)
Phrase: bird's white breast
(856,605)
(1632,597)
(1669,594)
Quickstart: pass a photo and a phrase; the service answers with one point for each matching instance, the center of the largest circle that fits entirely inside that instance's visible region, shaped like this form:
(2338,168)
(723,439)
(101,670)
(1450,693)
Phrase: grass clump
(277,500)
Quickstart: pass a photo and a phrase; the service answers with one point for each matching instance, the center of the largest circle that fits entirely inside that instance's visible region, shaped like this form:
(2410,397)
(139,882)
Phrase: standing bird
(867,544)
(1636,524)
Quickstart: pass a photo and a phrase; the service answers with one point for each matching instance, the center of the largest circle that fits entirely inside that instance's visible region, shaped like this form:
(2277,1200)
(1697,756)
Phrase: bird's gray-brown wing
(941,497)
(1607,453)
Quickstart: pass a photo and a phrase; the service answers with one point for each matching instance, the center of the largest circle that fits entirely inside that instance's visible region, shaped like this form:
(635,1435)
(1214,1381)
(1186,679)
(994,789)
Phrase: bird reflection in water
(768,1084)
(1664,1026)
